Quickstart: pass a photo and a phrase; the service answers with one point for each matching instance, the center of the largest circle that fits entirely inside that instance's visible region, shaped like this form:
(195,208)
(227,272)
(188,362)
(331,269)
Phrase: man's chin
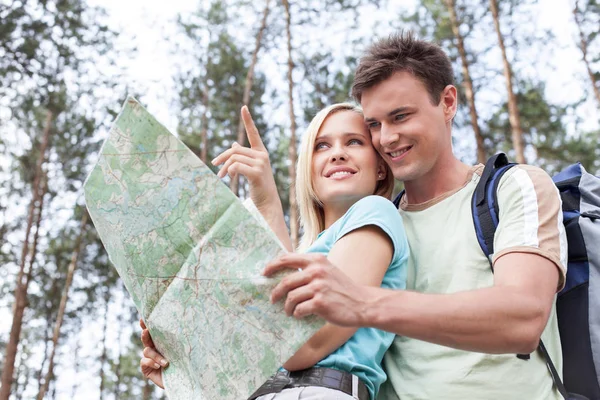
(405,173)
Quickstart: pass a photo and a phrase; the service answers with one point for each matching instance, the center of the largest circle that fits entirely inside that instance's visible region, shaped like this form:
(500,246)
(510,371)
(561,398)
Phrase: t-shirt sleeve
(531,217)
(380,212)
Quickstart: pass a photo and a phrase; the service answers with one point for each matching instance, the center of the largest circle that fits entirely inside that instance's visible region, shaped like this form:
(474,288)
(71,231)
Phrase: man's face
(407,130)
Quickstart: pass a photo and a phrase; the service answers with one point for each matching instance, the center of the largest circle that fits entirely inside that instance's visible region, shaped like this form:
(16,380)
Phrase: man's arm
(508,317)
(352,252)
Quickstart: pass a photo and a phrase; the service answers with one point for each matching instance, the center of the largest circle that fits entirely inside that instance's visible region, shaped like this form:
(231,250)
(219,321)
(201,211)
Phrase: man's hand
(318,288)
(152,362)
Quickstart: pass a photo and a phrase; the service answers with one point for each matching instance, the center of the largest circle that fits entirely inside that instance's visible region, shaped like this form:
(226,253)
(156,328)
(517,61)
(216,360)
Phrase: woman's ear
(381,171)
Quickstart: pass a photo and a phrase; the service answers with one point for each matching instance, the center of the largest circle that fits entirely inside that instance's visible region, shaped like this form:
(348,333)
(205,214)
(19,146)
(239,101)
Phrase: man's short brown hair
(402,52)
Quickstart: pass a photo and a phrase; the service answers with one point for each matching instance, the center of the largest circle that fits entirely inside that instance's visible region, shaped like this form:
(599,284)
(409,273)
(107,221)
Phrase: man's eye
(373,125)
(399,117)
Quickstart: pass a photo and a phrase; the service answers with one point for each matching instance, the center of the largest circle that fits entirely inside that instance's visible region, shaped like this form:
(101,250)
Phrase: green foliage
(214,87)
(325,83)
(544,132)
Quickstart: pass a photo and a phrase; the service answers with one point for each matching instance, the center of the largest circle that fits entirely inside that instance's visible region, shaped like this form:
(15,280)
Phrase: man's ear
(449,100)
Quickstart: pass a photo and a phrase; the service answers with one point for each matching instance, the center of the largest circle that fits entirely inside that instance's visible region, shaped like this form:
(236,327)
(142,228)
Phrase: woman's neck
(334,211)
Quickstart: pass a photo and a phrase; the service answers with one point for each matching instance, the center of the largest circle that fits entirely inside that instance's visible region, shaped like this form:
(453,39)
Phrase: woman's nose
(338,154)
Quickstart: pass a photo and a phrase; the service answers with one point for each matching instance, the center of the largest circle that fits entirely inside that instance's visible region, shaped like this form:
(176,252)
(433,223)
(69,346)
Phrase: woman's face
(345,166)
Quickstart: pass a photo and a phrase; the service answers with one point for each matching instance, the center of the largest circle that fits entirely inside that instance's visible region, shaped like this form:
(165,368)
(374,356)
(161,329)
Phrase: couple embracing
(413,309)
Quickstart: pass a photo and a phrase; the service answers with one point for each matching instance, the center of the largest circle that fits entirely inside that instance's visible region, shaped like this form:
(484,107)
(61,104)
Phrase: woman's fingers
(241,169)
(146,362)
(152,371)
(235,149)
(251,131)
(236,158)
(146,338)
(154,355)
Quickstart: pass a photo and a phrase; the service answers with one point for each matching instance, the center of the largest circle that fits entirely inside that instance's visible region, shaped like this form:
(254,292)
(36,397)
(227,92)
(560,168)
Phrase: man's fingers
(291,283)
(305,309)
(142,324)
(297,297)
(288,261)
(251,131)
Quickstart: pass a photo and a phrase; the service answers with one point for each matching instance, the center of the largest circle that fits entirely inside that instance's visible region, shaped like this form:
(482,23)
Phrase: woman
(343,189)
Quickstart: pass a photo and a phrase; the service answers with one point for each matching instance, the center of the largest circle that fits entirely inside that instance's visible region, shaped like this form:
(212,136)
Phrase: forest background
(528,74)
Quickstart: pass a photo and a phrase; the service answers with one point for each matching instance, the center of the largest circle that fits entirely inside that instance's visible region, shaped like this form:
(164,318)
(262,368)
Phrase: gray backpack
(578,304)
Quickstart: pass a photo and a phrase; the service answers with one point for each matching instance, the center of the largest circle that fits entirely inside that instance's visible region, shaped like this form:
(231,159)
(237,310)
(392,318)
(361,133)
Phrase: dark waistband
(316,376)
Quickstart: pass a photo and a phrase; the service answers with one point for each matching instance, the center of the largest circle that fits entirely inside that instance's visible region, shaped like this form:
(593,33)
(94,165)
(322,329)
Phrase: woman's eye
(355,142)
(320,146)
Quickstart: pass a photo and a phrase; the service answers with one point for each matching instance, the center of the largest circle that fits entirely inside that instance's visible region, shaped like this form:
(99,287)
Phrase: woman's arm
(253,163)
(364,255)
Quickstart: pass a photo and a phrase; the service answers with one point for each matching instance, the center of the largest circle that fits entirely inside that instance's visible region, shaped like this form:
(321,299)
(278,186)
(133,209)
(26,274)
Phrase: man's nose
(388,136)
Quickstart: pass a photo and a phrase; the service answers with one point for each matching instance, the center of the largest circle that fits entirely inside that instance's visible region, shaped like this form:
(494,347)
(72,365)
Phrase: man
(459,325)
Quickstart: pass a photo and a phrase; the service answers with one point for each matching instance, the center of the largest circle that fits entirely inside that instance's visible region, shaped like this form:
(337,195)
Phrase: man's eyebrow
(397,110)
(389,114)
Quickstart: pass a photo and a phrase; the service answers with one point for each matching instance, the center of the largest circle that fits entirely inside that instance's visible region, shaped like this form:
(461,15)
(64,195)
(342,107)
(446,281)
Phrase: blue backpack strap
(484,204)
(398,198)
(485,210)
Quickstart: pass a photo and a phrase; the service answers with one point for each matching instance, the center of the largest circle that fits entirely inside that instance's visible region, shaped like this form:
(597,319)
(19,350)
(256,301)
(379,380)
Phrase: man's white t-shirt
(445,257)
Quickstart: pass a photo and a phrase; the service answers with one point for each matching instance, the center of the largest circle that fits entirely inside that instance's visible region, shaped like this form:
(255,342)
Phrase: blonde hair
(312,219)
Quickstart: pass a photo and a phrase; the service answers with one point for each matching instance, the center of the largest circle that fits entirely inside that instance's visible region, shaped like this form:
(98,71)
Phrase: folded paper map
(190,255)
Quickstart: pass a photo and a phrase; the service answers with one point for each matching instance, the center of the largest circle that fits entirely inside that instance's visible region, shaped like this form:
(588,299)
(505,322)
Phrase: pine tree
(467,81)
(42,46)
(588,17)
(294,223)
(513,106)
(241,134)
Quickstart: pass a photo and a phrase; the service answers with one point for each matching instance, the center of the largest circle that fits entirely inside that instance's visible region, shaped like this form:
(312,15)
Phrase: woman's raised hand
(152,361)
(252,162)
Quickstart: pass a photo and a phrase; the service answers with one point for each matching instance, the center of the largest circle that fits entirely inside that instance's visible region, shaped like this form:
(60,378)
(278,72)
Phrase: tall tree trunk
(147,390)
(583,45)
(63,305)
(513,108)
(467,82)
(204,123)
(21,371)
(75,355)
(241,136)
(120,324)
(40,373)
(32,254)
(23,277)
(104,355)
(294,227)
